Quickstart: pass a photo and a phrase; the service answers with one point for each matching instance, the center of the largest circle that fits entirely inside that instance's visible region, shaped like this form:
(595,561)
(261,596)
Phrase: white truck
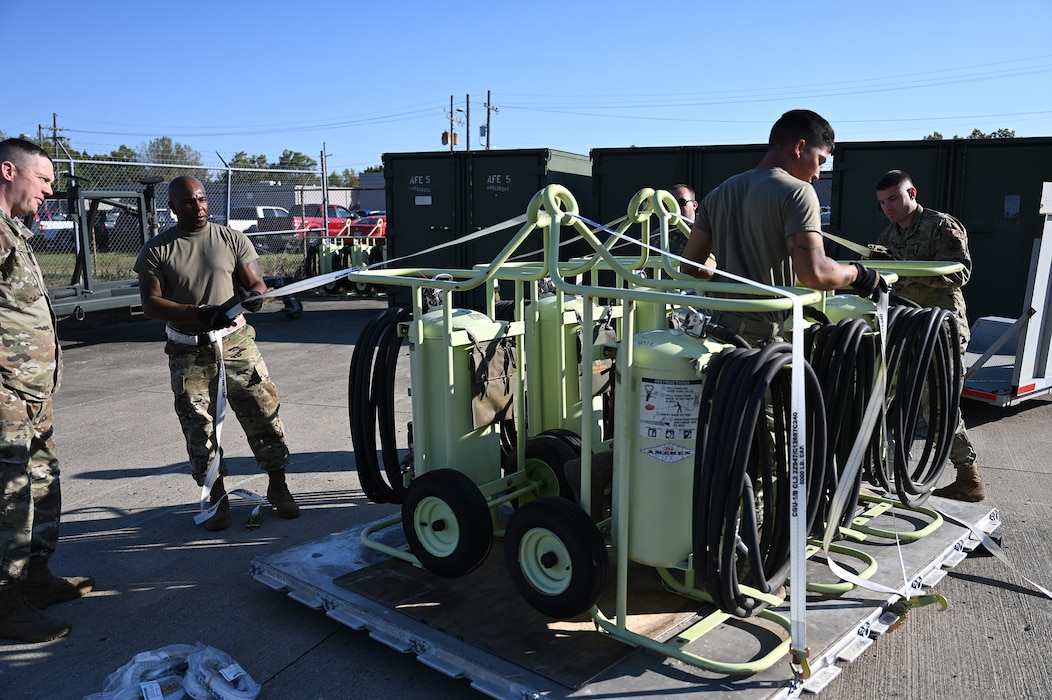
(246,219)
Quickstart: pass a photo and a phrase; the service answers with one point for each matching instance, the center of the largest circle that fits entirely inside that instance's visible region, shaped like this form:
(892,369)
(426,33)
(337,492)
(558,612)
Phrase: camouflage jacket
(932,236)
(30,356)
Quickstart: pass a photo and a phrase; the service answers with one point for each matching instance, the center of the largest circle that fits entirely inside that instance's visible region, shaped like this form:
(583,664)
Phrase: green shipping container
(996,195)
(618,173)
(992,185)
(438,197)
(857,167)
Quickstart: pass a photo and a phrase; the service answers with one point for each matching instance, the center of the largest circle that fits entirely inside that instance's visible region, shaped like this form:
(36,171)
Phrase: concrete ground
(161,580)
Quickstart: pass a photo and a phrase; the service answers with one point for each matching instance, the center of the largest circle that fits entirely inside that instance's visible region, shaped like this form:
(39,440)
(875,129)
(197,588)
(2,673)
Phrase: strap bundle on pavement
(179,671)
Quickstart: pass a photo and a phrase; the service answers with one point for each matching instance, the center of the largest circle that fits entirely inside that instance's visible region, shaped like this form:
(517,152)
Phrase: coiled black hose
(924,366)
(370,401)
(740,448)
(844,358)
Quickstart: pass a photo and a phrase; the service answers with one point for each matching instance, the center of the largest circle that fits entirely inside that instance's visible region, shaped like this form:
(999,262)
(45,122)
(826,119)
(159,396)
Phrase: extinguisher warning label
(669,408)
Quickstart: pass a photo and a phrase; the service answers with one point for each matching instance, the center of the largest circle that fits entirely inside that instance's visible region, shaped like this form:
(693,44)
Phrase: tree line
(164,150)
(976,134)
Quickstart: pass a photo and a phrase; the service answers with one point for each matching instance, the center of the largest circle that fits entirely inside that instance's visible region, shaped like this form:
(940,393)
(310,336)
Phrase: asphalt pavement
(128,521)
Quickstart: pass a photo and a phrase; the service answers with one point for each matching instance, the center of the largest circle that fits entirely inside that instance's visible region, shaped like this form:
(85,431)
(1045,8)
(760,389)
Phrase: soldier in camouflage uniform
(30,369)
(186,275)
(916,233)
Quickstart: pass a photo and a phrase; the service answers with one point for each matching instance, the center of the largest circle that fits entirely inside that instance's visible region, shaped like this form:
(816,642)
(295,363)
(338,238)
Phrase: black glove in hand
(868,281)
(214,318)
(252,301)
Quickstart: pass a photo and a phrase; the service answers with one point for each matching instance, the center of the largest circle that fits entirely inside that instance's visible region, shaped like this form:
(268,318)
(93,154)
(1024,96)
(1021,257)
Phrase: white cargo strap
(178,671)
(995,550)
(842,498)
(216,338)
(798,453)
(153,674)
(330,277)
(212,673)
(178,336)
(864,251)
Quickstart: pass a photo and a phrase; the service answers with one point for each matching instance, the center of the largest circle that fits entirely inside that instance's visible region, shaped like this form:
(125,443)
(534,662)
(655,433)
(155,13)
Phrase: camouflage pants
(962,454)
(250,393)
(31,505)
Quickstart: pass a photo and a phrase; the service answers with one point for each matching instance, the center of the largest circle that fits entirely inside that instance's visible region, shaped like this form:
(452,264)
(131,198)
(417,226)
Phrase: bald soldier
(188,276)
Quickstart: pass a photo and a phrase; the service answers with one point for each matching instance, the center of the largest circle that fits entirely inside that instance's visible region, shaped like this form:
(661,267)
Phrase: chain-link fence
(105,208)
(102,212)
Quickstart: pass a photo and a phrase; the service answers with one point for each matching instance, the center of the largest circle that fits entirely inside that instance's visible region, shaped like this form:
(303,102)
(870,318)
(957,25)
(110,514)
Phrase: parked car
(165,220)
(247,219)
(368,226)
(308,217)
(55,231)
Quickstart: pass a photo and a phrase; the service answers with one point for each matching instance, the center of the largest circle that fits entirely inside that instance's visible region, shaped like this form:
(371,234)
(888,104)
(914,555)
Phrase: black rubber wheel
(447,522)
(335,264)
(556,557)
(364,289)
(546,458)
(376,258)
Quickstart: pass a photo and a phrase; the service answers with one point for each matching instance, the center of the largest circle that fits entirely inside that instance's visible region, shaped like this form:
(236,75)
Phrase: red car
(375,226)
(308,217)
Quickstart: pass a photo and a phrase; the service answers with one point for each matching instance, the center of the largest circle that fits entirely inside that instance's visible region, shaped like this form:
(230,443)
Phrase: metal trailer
(477,628)
(85,292)
(1009,360)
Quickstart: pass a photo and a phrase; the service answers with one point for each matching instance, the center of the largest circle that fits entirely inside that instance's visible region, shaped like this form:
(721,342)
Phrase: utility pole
(54,134)
(490,109)
(467,120)
(452,116)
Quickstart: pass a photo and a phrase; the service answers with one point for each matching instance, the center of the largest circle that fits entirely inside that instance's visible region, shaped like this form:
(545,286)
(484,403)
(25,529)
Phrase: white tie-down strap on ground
(212,673)
(798,450)
(330,277)
(255,518)
(995,550)
(179,671)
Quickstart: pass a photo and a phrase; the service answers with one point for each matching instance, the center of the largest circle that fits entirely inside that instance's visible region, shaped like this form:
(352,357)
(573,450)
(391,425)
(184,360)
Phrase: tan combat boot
(220,520)
(278,495)
(41,588)
(23,623)
(967,487)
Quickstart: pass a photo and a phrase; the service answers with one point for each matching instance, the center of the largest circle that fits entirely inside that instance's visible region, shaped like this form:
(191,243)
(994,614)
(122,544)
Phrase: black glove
(868,281)
(214,318)
(252,301)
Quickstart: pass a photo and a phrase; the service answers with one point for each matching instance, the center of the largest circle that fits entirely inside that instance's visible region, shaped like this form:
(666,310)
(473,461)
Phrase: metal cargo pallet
(367,590)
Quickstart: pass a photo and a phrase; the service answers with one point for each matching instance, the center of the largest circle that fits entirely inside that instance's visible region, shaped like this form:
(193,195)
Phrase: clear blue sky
(365,78)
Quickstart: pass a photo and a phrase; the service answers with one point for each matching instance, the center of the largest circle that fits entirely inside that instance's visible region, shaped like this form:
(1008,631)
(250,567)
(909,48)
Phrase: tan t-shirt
(749,217)
(198,267)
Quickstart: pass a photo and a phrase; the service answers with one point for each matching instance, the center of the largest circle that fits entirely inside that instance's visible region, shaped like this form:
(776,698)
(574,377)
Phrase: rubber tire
(569,585)
(376,256)
(449,498)
(551,452)
(334,287)
(364,289)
